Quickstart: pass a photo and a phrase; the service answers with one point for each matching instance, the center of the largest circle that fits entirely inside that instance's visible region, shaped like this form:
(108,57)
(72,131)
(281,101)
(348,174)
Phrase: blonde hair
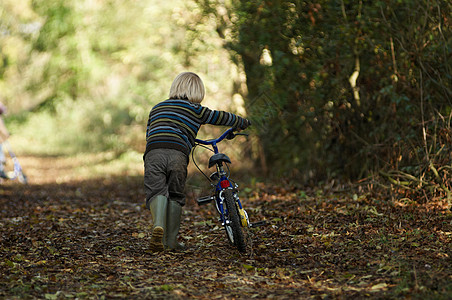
(187,86)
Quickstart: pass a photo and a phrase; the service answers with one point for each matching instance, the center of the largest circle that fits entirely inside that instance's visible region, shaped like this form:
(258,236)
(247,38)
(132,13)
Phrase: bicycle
(17,172)
(233,216)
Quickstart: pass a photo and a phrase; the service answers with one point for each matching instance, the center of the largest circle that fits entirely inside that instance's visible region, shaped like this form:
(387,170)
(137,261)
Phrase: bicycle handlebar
(228,134)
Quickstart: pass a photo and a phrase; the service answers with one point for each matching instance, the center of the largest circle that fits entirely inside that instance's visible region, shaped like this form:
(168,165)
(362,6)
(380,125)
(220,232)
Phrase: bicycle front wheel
(233,227)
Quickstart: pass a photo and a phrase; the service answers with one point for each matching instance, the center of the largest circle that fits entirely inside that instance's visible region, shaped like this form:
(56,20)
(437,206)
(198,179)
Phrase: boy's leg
(176,186)
(158,210)
(155,175)
(156,195)
(177,175)
(174,214)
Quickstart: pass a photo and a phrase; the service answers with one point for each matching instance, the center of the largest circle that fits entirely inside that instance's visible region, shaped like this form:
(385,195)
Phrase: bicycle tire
(235,226)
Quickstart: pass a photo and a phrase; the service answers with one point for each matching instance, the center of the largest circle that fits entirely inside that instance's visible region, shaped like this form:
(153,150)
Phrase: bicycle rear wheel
(234,227)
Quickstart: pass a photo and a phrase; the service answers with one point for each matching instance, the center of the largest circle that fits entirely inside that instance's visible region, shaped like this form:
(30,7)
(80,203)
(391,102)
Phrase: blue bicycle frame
(220,177)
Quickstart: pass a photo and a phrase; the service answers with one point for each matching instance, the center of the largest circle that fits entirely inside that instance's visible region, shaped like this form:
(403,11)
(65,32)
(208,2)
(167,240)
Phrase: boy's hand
(245,124)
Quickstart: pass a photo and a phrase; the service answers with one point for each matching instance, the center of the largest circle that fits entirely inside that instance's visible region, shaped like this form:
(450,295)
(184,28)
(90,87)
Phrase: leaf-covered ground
(63,238)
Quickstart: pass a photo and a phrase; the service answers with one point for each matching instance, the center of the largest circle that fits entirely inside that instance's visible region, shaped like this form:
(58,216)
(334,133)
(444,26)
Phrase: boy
(171,131)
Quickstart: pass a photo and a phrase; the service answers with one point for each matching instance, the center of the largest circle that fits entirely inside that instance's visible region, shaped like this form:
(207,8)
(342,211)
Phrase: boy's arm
(218,117)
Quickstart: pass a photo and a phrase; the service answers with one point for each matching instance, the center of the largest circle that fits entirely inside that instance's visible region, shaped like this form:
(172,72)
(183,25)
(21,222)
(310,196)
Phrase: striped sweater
(174,124)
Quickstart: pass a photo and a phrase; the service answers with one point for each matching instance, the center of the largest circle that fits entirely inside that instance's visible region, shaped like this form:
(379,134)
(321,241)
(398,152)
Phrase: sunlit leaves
(89,238)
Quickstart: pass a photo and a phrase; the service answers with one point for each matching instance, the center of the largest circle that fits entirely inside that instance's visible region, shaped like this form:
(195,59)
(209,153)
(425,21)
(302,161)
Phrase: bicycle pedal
(259,223)
(205,200)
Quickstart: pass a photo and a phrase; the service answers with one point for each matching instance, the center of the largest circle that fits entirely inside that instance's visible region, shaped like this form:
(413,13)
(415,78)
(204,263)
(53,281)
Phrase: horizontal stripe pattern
(174,124)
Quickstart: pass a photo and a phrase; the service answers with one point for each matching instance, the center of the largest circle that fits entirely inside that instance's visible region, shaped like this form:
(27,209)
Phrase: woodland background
(351,107)
(336,89)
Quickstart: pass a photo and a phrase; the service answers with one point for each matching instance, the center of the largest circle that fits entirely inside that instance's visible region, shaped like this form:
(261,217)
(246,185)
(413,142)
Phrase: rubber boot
(158,207)
(174,213)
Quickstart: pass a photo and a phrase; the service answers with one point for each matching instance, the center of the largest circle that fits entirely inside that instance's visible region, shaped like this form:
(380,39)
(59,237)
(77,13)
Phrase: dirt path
(66,236)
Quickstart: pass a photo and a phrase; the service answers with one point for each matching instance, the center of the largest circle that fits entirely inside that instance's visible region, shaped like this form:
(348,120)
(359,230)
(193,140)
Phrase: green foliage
(341,89)
(90,72)
(81,129)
